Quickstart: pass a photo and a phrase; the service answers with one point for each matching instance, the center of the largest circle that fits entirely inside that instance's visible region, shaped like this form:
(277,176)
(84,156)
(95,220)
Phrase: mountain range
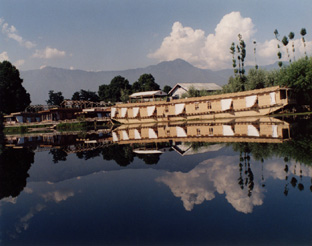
(40,81)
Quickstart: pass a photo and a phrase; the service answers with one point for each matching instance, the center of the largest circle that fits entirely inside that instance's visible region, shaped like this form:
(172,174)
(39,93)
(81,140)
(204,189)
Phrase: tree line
(118,90)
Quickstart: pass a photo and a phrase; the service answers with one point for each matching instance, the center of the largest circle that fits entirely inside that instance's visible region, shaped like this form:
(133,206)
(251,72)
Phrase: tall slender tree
(303,32)
(285,43)
(291,36)
(279,53)
(255,53)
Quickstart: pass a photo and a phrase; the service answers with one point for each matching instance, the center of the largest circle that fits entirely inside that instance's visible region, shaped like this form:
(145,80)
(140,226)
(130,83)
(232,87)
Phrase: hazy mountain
(39,82)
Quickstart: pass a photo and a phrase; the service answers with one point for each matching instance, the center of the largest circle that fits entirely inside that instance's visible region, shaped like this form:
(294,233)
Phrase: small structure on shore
(179,89)
(147,96)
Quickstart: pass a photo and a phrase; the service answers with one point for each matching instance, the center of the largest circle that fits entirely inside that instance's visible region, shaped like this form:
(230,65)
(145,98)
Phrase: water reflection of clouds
(51,196)
(221,175)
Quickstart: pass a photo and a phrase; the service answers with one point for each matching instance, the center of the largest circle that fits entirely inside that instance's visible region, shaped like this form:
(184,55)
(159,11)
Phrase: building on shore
(181,88)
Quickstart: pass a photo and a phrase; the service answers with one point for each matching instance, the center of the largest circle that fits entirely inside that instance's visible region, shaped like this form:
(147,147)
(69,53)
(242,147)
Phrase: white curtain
(151,133)
(274,131)
(180,132)
(272,96)
(227,130)
(115,138)
(125,135)
(179,108)
(150,110)
(251,100)
(137,134)
(226,104)
(113,112)
(135,111)
(252,131)
(123,112)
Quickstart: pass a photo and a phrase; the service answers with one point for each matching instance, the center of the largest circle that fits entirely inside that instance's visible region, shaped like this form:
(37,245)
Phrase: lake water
(177,193)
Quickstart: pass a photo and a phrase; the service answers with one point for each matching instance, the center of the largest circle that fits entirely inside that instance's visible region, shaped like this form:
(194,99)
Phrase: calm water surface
(191,194)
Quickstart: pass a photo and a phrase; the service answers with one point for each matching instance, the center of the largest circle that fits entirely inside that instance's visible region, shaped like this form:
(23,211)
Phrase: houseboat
(251,129)
(231,105)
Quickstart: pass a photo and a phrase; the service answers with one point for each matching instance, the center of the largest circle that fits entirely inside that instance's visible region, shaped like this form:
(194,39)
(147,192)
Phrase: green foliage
(13,96)
(124,95)
(298,75)
(167,88)
(112,92)
(55,98)
(86,96)
(146,82)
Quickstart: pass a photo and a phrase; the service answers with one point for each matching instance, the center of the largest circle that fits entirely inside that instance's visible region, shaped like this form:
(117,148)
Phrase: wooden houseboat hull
(253,103)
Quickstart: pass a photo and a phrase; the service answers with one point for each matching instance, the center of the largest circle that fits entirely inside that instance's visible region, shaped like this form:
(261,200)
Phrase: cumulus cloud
(49,53)
(12,33)
(4,56)
(211,51)
(212,176)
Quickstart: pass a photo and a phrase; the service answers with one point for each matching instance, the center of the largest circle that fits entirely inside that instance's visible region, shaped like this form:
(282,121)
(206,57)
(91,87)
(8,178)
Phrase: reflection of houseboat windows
(115,137)
(208,105)
(198,132)
(152,133)
(228,130)
(210,131)
(137,134)
(274,131)
(196,105)
(180,132)
(168,132)
(166,109)
(252,131)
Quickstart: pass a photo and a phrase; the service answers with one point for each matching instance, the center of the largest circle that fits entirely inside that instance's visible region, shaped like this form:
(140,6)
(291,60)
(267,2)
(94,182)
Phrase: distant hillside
(39,82)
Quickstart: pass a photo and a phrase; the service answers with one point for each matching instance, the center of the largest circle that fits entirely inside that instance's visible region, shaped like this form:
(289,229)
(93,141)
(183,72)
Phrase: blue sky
(99,35)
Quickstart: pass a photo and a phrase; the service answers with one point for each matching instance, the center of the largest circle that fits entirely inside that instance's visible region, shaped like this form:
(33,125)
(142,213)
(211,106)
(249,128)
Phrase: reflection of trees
(90,154)
(122,154)
(58,155)
(150,158)
(14,165)
(246,176)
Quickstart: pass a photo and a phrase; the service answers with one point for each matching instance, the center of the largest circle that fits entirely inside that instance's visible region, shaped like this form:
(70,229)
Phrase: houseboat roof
(197,86)
(148,94)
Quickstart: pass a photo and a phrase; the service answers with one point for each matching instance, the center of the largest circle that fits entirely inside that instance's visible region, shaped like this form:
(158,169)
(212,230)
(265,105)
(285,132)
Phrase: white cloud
(57,196)
(49,53)
(211,176)
(212,51)
(12,33)
(4,56)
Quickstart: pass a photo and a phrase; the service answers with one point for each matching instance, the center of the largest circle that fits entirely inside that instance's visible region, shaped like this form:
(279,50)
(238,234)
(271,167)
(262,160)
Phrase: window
(283,94)
(198,132)
(210,131)
(196,106)
(166,109)
(208,105)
